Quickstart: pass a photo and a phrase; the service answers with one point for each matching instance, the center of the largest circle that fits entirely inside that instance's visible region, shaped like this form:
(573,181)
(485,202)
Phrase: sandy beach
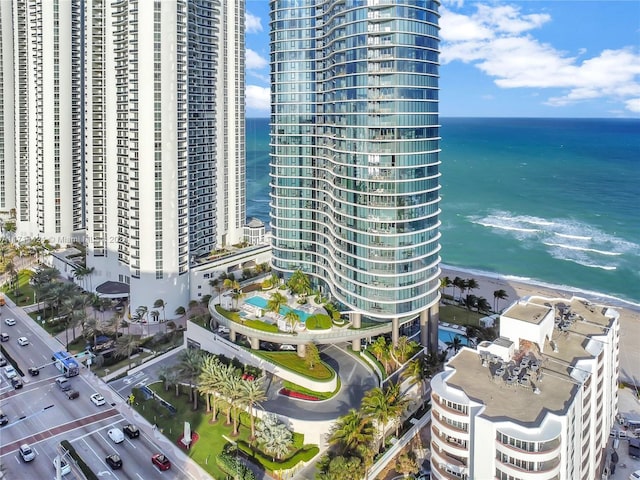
(629,317)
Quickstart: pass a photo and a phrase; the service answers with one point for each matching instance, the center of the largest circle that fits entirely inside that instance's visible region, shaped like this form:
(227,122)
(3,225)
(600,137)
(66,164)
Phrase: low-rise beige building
(537,403)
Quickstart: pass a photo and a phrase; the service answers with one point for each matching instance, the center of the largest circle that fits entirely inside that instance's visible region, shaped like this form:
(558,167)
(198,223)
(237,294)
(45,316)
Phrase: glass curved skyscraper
(355,152)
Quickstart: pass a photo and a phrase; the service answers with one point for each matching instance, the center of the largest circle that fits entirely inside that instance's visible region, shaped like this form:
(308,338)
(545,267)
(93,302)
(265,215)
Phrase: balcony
(545,471)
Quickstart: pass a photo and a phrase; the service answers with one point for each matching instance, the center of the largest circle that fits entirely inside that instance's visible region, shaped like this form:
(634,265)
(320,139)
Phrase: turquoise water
(551,201)
(261,302)
(446,336)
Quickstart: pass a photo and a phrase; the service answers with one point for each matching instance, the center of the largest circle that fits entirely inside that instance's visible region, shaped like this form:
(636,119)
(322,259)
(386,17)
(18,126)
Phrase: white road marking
(98,457)
(130,443)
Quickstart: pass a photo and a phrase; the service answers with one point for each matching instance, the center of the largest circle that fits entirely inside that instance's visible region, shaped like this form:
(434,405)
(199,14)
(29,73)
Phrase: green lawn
(52,327)
(211,441)
(460,315)
(24,292)
(291,361)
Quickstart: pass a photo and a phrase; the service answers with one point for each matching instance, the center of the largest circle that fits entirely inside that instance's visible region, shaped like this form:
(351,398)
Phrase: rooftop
(527,312)
(531,392)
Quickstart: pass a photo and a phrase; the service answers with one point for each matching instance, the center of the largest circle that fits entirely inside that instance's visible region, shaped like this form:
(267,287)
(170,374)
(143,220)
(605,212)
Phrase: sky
(528,58)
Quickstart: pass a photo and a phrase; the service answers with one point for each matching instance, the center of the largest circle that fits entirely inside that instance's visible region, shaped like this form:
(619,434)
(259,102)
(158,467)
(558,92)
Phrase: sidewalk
(193,470)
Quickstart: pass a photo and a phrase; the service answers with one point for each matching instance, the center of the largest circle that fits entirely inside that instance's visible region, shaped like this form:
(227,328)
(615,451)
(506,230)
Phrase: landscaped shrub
(88,473)
(302,396)
(318,321)
(304,454)
(233,466)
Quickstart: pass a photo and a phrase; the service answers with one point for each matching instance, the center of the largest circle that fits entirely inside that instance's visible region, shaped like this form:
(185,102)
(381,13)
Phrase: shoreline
(519,287)
(530,283)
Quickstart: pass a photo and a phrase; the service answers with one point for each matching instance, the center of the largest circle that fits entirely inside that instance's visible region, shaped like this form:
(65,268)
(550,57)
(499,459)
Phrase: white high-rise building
(538,403)
(165,131)
(41,113)
(129,132)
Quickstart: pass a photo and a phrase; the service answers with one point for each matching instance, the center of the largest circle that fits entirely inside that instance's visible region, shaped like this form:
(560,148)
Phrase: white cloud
(253,61)
(253,23)
(497,41)
(258,98)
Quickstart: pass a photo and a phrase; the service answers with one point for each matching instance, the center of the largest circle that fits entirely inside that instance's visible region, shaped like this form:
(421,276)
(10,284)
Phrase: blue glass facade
(355,150)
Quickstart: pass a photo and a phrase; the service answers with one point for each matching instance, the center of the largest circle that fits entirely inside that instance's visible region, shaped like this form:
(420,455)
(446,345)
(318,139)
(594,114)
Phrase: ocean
(547,201)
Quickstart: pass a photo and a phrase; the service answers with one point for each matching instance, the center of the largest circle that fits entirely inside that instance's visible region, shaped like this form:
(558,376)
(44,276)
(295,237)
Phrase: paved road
(41,415)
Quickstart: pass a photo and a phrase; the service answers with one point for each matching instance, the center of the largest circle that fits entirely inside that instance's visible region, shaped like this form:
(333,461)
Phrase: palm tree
(160,303)
(460,284)
(418,372)
(190,367)
(253,392)
(209,379)
(292,319)
(126,345)
(498,295)
(231,390)
(90,328)
(180,311)
(398,401)
(276,301)
(276,439)
(444,283)
(299,283)
(376,406)
(471,284)
(379,347)
(455,344)
(352,433)
(141,312)
(218,286)
(403,348)
(165,373)
(483,305)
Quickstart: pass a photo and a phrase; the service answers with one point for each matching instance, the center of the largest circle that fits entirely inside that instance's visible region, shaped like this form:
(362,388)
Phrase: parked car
(223,329)
(98,400)
(286,347)
(3,418)
(34,371)
(4,337)
(116,435)
(23,341)
(3,361)
(635,475)
(161,461)
(10,321)
(114,461)
(10,372)
(72,394)
(26,452)
(16,383)
(131,430)
(65,468)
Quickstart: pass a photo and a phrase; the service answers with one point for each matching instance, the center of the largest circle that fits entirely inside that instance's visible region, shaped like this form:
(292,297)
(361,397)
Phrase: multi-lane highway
(42,415)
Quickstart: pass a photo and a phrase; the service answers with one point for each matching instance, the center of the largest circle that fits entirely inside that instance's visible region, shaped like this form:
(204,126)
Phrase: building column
(429,328)
(395,327)
(255,343)
(232,335)
(356,322)
(302,350)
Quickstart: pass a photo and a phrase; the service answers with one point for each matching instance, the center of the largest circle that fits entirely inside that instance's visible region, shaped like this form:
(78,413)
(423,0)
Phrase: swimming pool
(446,336)
(261,302)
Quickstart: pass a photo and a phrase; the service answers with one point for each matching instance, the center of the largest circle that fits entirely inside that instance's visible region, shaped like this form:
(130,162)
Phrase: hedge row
(88,473)
(234,467)
(306,453)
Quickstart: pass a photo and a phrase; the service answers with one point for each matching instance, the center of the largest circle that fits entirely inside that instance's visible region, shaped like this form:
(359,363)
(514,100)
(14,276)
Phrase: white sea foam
(590,265)
(573,237)
(507,227)
(583,249)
